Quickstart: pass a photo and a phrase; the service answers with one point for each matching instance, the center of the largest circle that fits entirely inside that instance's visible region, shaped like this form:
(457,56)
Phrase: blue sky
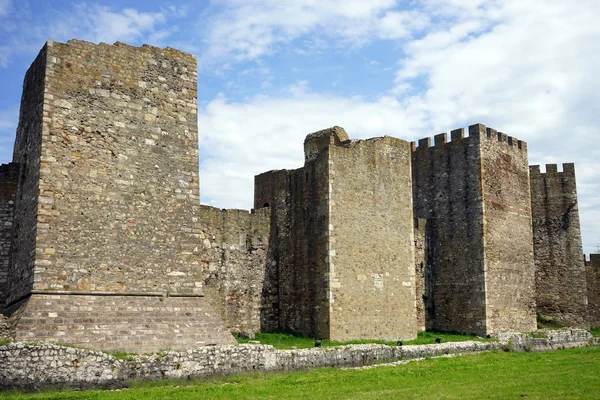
(271,72)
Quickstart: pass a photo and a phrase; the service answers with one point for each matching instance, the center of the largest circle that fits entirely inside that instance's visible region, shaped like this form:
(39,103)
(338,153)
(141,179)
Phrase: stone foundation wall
(561,291)
(592,269)
(43,365)
(118,322)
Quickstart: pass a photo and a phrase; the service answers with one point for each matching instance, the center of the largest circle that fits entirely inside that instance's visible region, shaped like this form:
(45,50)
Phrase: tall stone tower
(474,193)
(561,291)
(342,236)
(106,243)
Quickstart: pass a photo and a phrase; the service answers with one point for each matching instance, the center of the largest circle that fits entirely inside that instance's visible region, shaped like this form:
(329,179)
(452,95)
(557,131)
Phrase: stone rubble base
(40,365)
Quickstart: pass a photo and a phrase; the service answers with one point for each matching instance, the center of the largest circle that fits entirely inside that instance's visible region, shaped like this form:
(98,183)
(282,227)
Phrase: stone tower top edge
(552,169)
(83,43)
(458,135)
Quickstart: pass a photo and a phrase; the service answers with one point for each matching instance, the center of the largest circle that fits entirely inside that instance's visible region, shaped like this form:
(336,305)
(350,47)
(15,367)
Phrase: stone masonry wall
(592,269)
(108,200)
(472,191)
(421,271)
(119,170)
(371,247)
(508,241)
(560,271)
(447,192)
(237,276)
(34,122)
(9,178)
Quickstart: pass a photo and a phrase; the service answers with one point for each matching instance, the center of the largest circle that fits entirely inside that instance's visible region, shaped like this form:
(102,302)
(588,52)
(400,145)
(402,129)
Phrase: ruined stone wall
(447,192)
(592,269)
(371,274)
(560,272)
(34,123)
(9,178)
(421,270)
(119,170)
(508,241)
(238,277)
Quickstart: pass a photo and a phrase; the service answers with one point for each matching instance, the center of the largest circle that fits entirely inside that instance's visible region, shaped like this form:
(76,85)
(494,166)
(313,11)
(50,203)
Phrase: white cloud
(247,30)
(240,140)
(86,21)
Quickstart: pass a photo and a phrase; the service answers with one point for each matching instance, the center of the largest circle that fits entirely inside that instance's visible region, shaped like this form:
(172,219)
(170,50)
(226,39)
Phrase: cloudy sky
(271,71)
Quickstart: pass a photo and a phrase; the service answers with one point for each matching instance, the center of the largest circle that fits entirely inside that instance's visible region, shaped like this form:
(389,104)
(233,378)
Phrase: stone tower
(561,291)
(342,236)
(474,193)
(106,243)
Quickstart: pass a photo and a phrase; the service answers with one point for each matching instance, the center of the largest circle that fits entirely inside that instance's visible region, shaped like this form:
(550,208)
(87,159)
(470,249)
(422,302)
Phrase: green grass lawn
(563,374)
(285,341)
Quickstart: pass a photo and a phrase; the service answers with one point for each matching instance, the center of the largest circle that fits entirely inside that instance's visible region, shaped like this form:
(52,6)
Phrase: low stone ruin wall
(33,366)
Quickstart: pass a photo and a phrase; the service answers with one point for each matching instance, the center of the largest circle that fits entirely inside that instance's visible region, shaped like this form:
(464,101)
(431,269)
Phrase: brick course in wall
(561,291)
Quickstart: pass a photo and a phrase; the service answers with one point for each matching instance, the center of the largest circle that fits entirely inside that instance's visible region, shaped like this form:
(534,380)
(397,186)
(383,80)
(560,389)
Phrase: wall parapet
(458,135)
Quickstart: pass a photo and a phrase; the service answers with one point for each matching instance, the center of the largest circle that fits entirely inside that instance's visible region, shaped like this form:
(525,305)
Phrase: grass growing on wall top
(285,341)
(562,374)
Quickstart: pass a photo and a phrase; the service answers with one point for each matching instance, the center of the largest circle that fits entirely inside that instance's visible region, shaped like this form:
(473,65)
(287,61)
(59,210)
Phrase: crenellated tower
(474,193)
(561,291)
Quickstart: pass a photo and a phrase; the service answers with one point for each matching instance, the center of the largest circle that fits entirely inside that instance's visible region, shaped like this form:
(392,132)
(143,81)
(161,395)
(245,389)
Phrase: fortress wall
(34,123)
(371,273)
(421,270)
(119,170)
(447,191)
(560,272)
(509,268)
(237,275)
(9,179)
(592,269)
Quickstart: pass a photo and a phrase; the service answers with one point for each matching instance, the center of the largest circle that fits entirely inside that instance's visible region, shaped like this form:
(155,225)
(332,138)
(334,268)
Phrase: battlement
(552,169)
(458,135)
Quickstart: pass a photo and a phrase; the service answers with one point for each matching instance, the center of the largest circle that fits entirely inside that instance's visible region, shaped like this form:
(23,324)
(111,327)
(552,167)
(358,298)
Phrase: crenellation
(440,139)
(457,134)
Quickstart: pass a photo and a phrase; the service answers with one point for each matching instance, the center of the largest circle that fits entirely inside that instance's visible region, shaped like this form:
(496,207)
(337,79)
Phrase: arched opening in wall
(266,205)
